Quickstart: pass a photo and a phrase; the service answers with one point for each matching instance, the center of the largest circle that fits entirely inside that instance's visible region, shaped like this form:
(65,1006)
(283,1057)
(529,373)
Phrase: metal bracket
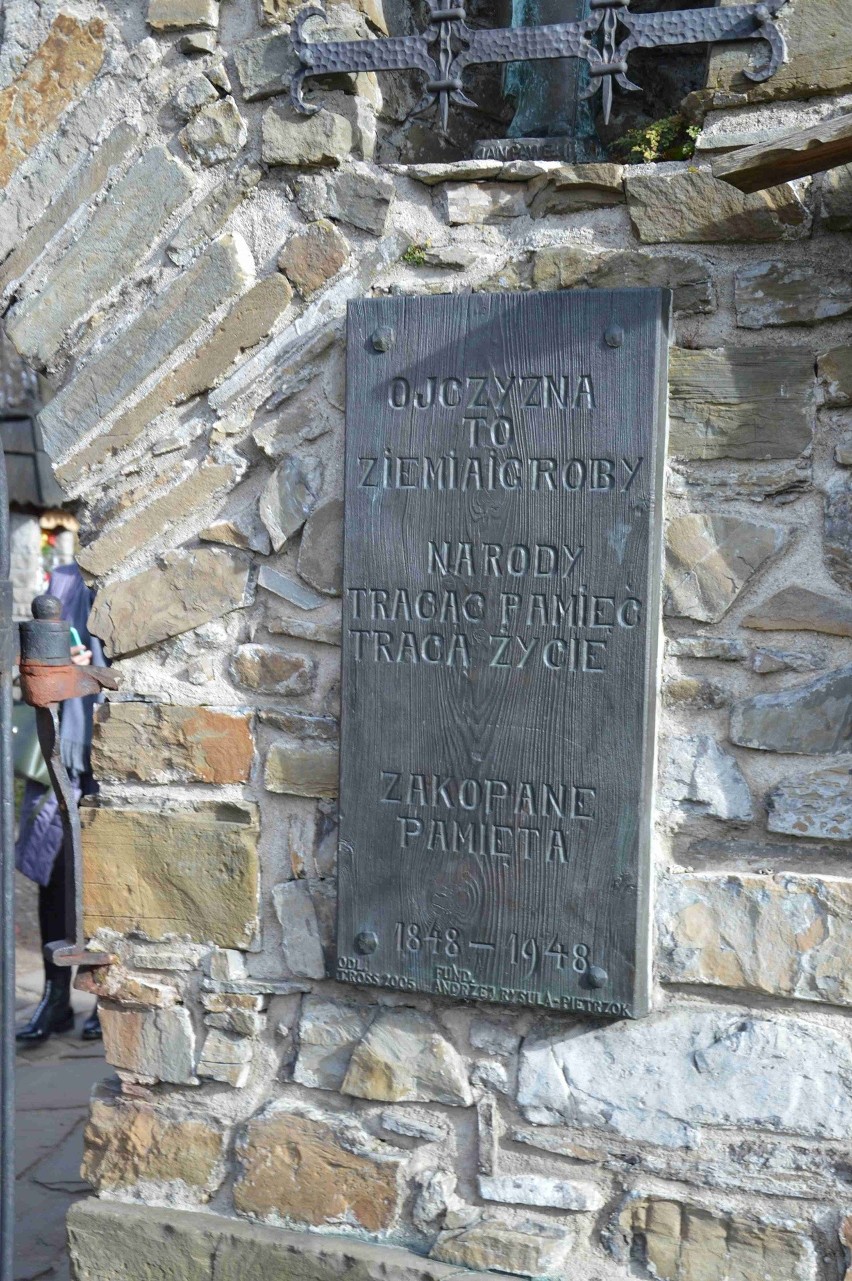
(603,40)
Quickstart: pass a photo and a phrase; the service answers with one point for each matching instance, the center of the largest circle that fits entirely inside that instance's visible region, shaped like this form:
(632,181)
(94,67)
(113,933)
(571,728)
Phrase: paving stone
(358,195)
(302,769)
(186,589)
(168,321)
(265,66)
(161,743)
(312,257)
(59,71)
(527,1249)
(699,1069)
(106,552)
(191,871)
(681,1242)
(155,1043)
(693,207)
(837,530)
(778,293)
(315,1169)
(321,549)
(291,139)
(216,133)
(290,495)
(406,1058)
(817,805)
(129,1141)
(710,560)
(809,719)
(301,942)
(536,1189)
(473,204)
(574,266)
(703,778)
(329,1030)
(210,215)
(744,402)
(170,15)
(798,609)
(225,1058)
(120,233)
(272,670)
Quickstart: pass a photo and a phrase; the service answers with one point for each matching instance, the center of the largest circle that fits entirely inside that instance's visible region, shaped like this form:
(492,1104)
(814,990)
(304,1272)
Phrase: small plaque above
(504,462)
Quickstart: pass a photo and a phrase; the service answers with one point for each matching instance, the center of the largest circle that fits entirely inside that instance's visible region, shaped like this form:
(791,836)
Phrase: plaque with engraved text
(504,462)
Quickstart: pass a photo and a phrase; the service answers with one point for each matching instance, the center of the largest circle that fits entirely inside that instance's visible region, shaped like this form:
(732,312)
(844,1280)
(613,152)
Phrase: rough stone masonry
(176,251)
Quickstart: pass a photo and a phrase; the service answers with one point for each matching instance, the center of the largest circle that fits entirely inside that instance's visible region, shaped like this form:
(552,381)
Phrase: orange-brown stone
(158,743)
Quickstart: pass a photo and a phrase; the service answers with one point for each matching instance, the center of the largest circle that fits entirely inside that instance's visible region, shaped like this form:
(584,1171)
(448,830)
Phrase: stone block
(810,719)
(525,1249)
(302,768)
(225,1058)
(114,1241)
(783,935)
(271,670)
(291,139)
(265,66)
(699,777)
(193,95)
(290,495)
(209,216)
(301,942)
(688,206)
(192,872)
(537,1190)
(58,72)
(816,805)
(778,293)
(321,549)
(186,589)
(743,402)
(198,42)
(115,983)
(313,256)
(109,377)
(172,15)
(710,560)
(153,1043)
(358,195)
(405,1057)
(128,1141)
(835,372)
(835,195)
(798,609)
(573,266)
(316,1170)
(837,530)
(473,204)
(162,743)
(699,1067)
(329,1030)
(680,1242)
(710,647)
(575,189)
(216,133)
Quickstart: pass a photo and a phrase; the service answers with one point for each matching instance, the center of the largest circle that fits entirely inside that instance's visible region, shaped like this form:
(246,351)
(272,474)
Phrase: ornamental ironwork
(603,40)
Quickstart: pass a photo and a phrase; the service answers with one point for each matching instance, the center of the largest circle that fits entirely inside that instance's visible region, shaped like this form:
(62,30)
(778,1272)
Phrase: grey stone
(268,669)
(843,452)
(194,95)
(743,402)
(151,1042)
(290,139)
(569,189)
(225,1058)
(414,1125)
(837,531)
(323,625)
(265,66)
(573,266)
(778,293)
(208,218)
(225,963)
(525,1249)
(494,1038)
(302,768)
(714,647)
(288,589)
(710,559)
(313,256)
(169,320)
(767,661)
(321,551)
(243,529)
(301,724)
(693,207)
(836,199)
(216,133)
(810,719)
(405,1057)
(289,497)
(328,1034)
(300,940)
(536,1189)
(198,42)
(187,589)
(798,609)
(818,805)
(218,76)
(835,372)
(167,15)
(437,1191)
(734,481)
(358,195)
(702,776)
(119,234)
(472,204)
(700,1067)
(453,257)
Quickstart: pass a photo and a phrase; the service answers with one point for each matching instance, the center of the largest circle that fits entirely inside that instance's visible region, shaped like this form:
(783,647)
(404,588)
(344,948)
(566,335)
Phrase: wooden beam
(824,146)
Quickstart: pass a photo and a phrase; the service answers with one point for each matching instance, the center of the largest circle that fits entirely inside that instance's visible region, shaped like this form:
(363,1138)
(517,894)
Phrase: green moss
(415,255)
(669,139)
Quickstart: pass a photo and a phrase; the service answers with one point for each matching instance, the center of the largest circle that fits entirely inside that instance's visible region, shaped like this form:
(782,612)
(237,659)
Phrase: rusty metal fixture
(604,40)
(48,677)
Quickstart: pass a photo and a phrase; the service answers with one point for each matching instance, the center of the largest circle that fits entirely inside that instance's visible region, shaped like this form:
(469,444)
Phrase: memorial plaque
(504,462)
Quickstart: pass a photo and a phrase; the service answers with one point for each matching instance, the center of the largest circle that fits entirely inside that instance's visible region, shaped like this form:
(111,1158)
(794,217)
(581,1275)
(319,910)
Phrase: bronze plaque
(504,463)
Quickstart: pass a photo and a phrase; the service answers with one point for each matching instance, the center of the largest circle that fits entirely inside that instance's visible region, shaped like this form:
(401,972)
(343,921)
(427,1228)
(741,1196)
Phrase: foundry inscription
(501,594)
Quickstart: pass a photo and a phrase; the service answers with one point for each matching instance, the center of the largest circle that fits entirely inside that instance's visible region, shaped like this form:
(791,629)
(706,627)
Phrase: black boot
(53,1014)
(92,1028)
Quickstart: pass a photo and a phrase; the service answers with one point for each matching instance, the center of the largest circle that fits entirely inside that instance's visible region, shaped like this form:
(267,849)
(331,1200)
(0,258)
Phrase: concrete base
(111,1241)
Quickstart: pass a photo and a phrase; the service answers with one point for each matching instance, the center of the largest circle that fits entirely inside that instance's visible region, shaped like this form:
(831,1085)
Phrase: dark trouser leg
(53,1013)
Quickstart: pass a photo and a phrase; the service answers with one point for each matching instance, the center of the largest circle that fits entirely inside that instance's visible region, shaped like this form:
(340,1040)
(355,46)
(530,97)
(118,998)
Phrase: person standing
(38,850)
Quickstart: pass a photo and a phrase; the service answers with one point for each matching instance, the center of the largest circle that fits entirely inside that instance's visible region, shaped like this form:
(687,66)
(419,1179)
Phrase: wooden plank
(501,603)
(824,146)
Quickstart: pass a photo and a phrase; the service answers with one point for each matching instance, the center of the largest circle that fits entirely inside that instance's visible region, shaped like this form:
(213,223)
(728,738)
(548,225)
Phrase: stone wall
(178,250)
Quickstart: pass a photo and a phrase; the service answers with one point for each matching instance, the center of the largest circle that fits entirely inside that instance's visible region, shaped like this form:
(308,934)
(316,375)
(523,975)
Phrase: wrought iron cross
(603,40)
